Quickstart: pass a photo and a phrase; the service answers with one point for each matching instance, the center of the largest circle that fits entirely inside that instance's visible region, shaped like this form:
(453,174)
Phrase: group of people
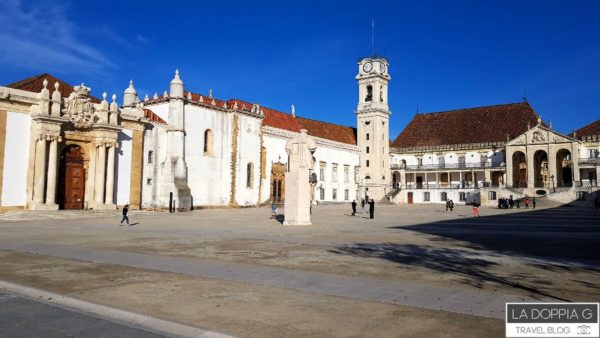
(449,205)
(371,203)
(509,203)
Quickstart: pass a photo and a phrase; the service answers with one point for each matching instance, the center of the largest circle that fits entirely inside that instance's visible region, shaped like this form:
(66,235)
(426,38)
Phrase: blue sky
(443,54)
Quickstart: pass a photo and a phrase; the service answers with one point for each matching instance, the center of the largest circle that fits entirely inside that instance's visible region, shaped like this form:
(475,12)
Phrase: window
(334,172)
(367,163)
(150,156)
(369,96)
(367,150)
(462,196)
(322,171)
(367,136)
(346,174)
(208,142)
(322,193)
(426,196)
(249,175)
(334,194)
(594,153)
(492,195)
(381,93)
(346,195)
(149,181)
(443,196)
(419,161)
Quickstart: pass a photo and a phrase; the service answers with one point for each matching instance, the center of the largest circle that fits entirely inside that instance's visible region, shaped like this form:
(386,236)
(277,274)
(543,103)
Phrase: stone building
(62,147)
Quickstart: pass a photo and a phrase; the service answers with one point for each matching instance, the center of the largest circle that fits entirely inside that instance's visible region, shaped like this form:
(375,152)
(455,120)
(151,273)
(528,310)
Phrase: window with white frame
(322,171)
(426,196)
(150,156)
(491,195)
(322,194)
(346,174)
(334,172)
(334,194)
(443,196)
(346,195)
(462,196)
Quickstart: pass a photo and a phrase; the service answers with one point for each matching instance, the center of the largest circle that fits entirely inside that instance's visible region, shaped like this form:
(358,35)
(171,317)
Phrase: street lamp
(552,179)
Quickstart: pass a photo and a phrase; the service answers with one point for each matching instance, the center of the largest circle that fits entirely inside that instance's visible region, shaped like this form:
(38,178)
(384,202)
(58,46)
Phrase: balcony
(446,166)
(593,161)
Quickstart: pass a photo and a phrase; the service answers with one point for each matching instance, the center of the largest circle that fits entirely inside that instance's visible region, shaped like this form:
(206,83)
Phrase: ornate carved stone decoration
(538,136)
(79,108)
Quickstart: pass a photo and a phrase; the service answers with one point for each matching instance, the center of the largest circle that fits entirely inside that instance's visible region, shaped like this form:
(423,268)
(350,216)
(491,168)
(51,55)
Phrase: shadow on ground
(563,235)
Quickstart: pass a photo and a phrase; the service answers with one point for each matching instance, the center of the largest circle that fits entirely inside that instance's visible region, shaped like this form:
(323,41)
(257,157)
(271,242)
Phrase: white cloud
(41,37)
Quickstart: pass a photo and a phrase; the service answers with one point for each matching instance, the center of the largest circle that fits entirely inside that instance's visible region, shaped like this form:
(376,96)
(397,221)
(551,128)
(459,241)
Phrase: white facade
(14,185)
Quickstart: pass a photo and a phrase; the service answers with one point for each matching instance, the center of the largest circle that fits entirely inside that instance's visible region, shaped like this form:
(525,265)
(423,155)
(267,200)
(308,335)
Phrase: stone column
(110,175)
(509,168)
(530,169)
(40,170)
(100,171)
(52,172)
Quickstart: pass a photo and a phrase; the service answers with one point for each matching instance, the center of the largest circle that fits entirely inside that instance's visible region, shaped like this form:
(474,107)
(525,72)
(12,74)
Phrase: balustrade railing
(589,161)
(440,166)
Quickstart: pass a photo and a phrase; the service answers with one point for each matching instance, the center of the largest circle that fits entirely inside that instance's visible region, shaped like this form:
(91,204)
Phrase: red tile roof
(153,117)
(471,125)
(588,130)
(329,131)
(35,84)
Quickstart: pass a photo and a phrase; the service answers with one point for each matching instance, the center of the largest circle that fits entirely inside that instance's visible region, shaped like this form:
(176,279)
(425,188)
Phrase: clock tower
(372,117)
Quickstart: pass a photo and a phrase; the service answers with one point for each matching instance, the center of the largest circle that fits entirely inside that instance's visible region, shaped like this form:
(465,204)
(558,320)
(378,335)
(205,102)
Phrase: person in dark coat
(533,202)
(354,208)
(362,204)
(371,208)
(125,212)
(450,205)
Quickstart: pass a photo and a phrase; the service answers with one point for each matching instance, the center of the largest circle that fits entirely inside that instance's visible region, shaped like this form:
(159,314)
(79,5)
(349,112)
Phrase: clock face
(367,67)
(382,67)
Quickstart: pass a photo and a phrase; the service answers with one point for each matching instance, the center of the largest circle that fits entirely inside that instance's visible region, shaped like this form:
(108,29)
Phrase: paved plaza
(413,271)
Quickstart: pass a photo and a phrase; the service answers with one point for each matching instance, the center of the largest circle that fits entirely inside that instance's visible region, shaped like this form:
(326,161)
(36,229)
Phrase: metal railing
(440,166)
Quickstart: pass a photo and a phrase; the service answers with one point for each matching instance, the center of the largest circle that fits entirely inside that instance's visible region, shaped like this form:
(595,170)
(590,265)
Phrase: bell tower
(372,115)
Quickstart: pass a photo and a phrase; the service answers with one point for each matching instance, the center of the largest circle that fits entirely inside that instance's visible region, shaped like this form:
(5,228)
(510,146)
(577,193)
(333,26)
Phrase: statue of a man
(300,151)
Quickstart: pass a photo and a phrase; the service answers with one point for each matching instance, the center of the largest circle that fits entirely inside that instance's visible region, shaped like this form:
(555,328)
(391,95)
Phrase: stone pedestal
(297,198)
(297,185)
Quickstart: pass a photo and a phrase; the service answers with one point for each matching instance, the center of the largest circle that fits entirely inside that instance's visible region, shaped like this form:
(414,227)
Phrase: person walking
(125,212)
(475,209)
(273,210)
(526,202)
(362,205)
(511,202)
(533,202)
(371,208)
(353,207)
(450,205)
(518,203)
(447,205)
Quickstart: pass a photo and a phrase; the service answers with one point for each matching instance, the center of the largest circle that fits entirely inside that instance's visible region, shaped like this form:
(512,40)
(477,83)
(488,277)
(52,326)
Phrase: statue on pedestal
(297,186)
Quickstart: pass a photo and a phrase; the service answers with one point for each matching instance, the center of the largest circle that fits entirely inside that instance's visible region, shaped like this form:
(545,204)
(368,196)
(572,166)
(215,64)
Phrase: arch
(277,182)
(369,96)
(519,173)
(208,142)
(249,175)
(564,171)
(540,169)
(72,176)
(443,196)
(396,179)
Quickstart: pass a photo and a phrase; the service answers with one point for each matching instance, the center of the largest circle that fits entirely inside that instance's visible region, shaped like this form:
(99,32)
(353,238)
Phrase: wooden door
(410,198)
(72,182)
